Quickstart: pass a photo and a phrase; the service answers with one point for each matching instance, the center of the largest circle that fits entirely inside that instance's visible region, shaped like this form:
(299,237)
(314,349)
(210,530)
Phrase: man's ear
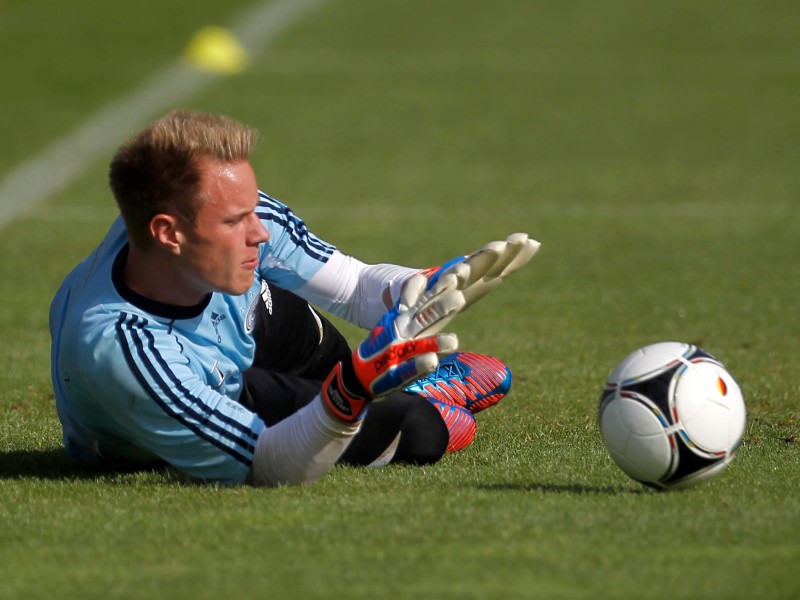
(166,232)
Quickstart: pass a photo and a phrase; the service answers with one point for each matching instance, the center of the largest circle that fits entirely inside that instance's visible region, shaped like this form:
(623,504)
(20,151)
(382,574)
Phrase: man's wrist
(343,395)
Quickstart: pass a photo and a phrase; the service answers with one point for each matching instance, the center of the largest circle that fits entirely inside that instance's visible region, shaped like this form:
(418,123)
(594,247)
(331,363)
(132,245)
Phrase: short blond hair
(156,171)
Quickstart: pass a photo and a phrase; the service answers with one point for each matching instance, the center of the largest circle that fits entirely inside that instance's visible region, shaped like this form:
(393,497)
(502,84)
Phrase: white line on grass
(69,157)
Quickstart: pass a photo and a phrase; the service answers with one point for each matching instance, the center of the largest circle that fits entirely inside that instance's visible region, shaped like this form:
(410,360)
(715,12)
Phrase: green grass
(651,147)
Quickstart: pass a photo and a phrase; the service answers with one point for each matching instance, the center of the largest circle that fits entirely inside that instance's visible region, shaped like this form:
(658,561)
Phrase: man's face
(220,252)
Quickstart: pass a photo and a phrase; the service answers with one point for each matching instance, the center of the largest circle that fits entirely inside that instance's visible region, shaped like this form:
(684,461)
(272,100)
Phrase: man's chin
(238,288)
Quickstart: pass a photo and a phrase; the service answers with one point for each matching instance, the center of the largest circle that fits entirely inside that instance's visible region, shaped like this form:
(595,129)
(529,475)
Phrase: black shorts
(296,348)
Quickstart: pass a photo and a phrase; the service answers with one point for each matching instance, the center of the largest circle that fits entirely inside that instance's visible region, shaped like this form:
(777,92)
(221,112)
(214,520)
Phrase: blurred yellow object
(217,50)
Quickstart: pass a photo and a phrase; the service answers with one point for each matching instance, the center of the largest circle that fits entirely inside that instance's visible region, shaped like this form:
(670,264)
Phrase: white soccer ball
(671,415)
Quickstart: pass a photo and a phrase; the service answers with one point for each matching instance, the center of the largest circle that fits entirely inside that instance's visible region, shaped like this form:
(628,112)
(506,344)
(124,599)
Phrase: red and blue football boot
(461,425)
(462,385)
(471,381)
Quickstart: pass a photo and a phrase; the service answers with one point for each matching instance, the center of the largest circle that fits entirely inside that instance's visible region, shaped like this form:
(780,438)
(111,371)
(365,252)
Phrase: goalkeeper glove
(395,354)
(479,273)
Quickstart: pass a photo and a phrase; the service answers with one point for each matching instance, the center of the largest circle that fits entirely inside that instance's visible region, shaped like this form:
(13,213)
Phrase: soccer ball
(671,415)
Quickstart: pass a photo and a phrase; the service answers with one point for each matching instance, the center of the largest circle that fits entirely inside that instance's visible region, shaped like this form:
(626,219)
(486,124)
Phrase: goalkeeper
(188,337)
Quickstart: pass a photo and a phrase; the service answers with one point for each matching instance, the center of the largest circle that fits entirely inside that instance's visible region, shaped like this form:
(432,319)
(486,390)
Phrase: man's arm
(297,260)
(355,291)
(360,293)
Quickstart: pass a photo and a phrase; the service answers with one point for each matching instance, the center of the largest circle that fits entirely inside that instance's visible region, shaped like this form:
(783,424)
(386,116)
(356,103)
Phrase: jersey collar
(158,309)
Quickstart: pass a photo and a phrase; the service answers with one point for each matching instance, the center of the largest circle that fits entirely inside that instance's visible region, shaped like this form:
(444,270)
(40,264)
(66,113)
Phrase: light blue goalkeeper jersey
(139,382)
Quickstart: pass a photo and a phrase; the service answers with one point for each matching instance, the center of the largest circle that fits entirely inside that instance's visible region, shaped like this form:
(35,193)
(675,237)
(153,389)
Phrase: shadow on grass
(57,465)
(555,488)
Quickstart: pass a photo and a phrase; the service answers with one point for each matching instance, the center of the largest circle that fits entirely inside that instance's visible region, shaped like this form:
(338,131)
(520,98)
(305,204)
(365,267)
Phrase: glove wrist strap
(343,395)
